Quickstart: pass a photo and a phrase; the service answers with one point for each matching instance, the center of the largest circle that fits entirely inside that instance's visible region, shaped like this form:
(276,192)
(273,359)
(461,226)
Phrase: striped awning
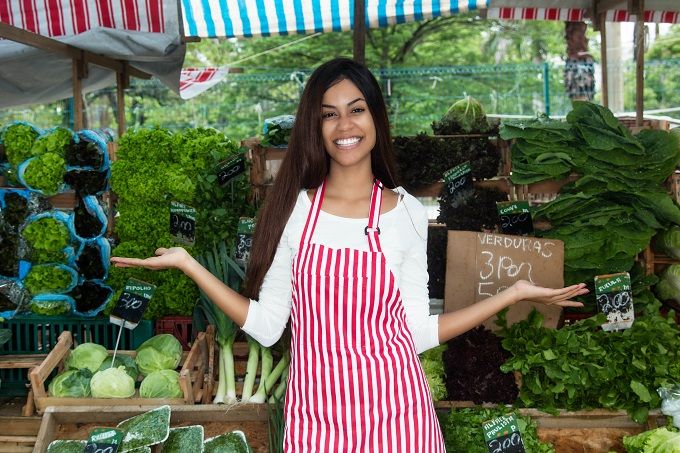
(578,14)
(246,18)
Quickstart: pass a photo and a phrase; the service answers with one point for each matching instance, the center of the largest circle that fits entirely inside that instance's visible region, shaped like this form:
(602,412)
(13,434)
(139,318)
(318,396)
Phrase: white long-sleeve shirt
(403,238)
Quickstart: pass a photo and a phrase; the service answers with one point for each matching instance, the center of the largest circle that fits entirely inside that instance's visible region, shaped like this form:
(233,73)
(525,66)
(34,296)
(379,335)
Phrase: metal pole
(603,61)
(360,31)
(639,62)
(546,87)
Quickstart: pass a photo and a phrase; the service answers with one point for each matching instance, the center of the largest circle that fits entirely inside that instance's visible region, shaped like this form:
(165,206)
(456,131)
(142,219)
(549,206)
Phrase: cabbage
(660,440)
(668,287)
(122,360)
(71,384)
(161,384)
(87,355)
(112,383)
(162,352)
(669,242)
(469,114)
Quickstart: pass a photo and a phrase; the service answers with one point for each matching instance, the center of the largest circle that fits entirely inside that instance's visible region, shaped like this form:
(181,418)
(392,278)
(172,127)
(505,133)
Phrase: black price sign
(615,299)
(515,217)
(183,223)
(502,435)
(132,303)
(458,184)
(244,239)
(104,440)
(230,169)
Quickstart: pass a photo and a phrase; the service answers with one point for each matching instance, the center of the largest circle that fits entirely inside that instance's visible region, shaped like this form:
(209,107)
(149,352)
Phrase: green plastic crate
(32,334)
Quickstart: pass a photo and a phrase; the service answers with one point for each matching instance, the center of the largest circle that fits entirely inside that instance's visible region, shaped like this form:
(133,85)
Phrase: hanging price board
(183,222)
(515,218)
(104,440)
(502,435)
(230,169)
(132,303)
(458,183)
(615,299)
(244,239)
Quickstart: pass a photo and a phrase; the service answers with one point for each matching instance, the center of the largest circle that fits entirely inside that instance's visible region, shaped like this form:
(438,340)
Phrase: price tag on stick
(104,440)
(183,223)
(502,435)
(615,299)
(230,169)
(515,218)
(458,184)
(132,303)
(244,239)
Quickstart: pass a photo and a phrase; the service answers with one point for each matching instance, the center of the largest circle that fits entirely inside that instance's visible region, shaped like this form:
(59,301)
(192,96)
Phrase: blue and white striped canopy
(245,18)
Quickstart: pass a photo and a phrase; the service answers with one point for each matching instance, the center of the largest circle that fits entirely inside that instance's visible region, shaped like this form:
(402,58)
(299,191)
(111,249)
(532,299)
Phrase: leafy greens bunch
(18,140)
(610,213)
(46,173)
(46,234)
(463,432)
(582,367)
(47,278)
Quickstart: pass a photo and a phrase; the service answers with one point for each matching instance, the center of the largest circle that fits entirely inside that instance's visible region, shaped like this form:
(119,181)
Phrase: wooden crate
(77,421)
(592,431)
(18,434)
(192,378)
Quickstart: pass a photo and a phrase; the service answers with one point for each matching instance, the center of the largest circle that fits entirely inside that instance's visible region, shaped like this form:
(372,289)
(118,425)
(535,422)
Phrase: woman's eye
(358,110)
(327,114)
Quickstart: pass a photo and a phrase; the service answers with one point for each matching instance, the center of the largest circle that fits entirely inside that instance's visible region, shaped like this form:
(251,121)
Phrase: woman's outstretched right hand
(172,258)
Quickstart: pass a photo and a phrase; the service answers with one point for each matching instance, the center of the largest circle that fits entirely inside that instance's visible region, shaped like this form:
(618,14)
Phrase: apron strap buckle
(373,230)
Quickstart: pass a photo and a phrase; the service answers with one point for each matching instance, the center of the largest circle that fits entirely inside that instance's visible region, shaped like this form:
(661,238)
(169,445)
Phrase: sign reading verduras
(480,265)
(615,300)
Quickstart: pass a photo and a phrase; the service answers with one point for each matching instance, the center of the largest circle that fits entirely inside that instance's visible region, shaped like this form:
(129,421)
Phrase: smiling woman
(340,251)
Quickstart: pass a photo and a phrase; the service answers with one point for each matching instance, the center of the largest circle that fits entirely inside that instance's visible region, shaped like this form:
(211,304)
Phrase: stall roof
(144,33)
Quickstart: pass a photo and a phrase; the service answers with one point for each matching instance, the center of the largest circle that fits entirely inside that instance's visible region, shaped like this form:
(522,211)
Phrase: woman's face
(347,125)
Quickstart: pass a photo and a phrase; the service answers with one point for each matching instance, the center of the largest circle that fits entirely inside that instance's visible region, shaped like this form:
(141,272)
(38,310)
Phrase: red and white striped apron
(355,381)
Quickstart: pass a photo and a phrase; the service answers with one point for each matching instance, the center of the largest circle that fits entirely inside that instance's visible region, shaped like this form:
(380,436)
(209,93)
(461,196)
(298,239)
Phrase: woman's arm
(460,321)
(229,301)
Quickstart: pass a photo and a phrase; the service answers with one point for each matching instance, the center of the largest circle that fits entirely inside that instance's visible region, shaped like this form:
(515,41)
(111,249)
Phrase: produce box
(69,422)
(192,378)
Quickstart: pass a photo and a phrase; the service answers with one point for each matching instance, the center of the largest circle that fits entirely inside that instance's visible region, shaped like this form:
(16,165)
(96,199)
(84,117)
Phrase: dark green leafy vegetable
(16,209)
(9,250)
(46,173)
(66,446)
(233,442)
(463,432)
(184,439)
(71,384)
(582,367)
(147,429)
(89,262)
(90,295)
(437,239)
(86,182)
(84,154)
(86,224)
(478,213)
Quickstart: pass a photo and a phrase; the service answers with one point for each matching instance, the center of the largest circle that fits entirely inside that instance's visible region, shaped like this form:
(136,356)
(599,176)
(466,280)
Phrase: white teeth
(347,141)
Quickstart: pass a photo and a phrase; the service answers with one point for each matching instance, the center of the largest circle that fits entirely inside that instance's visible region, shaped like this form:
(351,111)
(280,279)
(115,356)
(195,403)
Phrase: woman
(341,251)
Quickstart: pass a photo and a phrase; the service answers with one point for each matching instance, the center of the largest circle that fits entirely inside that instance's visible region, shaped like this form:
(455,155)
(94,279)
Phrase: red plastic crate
(179,326)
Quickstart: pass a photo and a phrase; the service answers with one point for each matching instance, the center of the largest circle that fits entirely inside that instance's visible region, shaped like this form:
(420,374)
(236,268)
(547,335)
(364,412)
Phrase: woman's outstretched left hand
(529,292)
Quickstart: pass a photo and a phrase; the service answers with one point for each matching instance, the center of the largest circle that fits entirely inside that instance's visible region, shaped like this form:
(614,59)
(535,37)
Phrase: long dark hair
(306,163)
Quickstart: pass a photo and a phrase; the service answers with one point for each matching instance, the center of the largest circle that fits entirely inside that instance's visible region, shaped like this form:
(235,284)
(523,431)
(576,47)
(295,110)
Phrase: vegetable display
(15,210)
(582,367)
(48,278)
(90,296)
(18,140)
(465,116)
(56,141)
(668,242)
(478,213)
(87,356)
(112,383)
(161,352)
(121,360)
(161,384)
(46,234)
(71,384)
(45,173)
(9,250)
(84,154)
(659,440)
(462,430)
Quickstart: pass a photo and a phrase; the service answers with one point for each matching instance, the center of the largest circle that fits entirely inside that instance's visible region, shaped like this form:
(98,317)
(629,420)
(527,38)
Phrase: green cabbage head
(122,360)
(162,352)
(161,384)
(112,383)
(669,242)
(71,384)
(87,355)
(469,114)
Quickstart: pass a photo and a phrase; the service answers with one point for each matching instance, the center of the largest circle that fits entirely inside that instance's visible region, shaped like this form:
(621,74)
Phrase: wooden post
(77,94)
(603,61)
(360,31)
(639,61)
(122,82)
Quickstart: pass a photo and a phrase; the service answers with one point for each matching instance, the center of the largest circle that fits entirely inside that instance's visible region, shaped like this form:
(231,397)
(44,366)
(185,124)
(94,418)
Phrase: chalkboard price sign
(132,303)
(183,223)
(244,240)
(458,183)
(230,169)
(614,297)
(515,218)
(502,435)
(104,440)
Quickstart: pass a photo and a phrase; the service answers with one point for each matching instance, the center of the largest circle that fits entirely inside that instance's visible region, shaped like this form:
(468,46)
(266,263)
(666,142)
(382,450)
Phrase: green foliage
(55,141)
(184,439)
(46,234)
(233,442)
(463,432)
(146,429)
(46,278)
(161,352)
(71,384)
(66,446)
(582,367)
(86,356)
(112,383)
(46,173)
(161,384)
(465,116)
(18,140)
(659,440)
(433,366)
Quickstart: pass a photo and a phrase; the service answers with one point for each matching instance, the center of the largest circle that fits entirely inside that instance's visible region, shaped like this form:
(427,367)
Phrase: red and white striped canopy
(578,14)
